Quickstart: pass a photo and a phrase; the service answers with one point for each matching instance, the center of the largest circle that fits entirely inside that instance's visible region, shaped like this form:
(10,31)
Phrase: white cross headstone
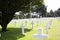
(40,36)
(48,26)
(32,24)
(22,27)
(37,22)
(14,21)
(50,22)
(47,29)
(26,22)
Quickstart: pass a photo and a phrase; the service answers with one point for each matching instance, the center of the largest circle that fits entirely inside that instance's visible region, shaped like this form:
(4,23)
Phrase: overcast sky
(52,4)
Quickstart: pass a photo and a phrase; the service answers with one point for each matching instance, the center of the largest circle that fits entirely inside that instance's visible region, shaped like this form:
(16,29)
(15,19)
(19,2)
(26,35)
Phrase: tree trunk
(4,28)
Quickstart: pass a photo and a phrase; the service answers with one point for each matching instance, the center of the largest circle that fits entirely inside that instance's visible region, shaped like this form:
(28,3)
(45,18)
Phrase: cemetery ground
(14,32)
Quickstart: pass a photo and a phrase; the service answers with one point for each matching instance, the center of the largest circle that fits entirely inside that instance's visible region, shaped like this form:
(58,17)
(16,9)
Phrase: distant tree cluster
(56,13)
(40,10)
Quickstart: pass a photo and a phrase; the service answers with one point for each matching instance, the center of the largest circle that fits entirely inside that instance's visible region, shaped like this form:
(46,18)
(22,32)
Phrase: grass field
(14,32)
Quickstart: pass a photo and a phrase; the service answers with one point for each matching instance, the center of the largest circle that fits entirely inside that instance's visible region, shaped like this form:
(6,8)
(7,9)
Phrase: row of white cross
(26,23)
(22,26)
(39,35)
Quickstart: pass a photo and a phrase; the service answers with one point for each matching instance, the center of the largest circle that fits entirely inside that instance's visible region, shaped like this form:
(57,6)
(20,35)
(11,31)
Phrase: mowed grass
(14,32)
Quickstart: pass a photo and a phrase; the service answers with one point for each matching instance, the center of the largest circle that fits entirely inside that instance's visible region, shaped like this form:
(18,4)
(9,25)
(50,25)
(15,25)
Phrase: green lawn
(14,32)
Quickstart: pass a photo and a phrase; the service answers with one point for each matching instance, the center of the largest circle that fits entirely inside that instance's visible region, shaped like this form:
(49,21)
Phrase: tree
(51,13)
(42,10)
(57,13)
(39,7)
(8,9)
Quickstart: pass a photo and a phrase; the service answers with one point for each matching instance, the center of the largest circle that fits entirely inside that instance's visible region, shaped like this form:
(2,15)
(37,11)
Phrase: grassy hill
(14,32)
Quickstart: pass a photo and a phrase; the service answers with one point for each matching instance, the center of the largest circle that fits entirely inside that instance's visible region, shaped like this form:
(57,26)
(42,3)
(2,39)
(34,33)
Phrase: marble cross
(48,26)
(14,21)
(26,22)
(22,27)
(32,24)
(40,36)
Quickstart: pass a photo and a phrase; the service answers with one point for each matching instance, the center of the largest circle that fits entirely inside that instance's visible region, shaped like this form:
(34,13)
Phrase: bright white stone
(14,21)
(40,36)
(25,22)
(22,27)
(32,24)
(37,22)
(48,26)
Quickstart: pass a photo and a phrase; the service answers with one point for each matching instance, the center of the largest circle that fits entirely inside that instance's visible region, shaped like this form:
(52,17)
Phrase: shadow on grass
(13,34)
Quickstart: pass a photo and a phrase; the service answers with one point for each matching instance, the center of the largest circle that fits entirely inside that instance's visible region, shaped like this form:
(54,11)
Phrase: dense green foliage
(9,7)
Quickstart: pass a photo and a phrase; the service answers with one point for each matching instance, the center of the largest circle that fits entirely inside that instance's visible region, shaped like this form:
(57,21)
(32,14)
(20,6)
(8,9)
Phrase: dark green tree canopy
(9,7)
(14,5)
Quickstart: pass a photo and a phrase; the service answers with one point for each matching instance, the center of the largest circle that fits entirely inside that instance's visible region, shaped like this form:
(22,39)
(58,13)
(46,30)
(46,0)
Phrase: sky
(52,4)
